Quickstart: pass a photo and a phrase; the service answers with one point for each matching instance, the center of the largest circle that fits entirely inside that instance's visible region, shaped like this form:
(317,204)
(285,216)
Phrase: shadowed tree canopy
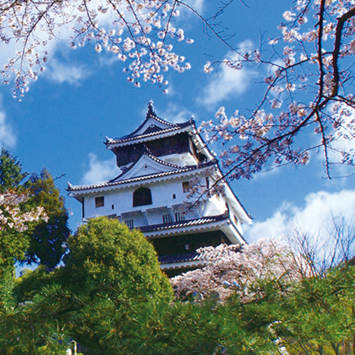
(47,239)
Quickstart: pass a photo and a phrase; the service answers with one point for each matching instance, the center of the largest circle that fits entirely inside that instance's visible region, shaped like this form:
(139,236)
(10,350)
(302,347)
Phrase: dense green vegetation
(110,295)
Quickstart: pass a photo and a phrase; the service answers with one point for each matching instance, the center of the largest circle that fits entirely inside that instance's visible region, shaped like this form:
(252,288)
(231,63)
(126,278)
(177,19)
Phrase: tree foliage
(47,244)
(106,296)
(11,174)
(15,221)
(116,274)
(112,298)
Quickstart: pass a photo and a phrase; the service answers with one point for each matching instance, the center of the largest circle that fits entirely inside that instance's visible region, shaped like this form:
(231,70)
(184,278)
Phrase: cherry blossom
(12,217)
(241,269)
(309,69)
(136,31)
(308,92)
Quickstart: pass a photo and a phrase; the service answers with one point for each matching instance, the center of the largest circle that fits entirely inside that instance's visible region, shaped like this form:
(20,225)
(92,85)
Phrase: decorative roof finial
(150,112)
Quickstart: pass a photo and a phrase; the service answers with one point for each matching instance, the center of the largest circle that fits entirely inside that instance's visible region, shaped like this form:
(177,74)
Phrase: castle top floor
(178,143)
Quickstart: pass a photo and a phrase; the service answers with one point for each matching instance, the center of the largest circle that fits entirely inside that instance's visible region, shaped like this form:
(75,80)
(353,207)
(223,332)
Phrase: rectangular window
(129,223)
(167,218)
(179,217)
(186,186)
(99,201)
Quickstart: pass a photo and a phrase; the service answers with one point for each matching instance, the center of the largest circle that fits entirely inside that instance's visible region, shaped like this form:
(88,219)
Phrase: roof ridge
(114,182)
(132,137)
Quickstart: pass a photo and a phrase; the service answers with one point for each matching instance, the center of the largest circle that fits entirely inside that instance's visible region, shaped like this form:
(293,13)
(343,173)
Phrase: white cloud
(60,73)
(314,218)
(175,114)
(228,82)
(7,136)
(99,170)
(196,4)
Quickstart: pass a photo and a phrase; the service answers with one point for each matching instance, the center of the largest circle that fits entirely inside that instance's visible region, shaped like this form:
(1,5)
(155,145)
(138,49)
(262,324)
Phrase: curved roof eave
(131,139)
(76,189)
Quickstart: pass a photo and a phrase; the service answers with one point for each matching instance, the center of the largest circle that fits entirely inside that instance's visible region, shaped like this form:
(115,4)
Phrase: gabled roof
(152,126)
(146,164)
(125,178)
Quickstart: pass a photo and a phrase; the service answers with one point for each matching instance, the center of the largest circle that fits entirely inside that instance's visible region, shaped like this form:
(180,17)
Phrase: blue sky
(83,96)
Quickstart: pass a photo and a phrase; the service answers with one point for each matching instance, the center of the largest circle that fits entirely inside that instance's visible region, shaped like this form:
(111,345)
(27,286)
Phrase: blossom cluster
(241,269)
(137,32)
(12,217)
(309,76)
(249,142)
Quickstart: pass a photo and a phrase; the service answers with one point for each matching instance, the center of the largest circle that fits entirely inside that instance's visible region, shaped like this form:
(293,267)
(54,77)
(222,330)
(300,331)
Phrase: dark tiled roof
(137,179)
(180,258)
(133,137)
(187,223)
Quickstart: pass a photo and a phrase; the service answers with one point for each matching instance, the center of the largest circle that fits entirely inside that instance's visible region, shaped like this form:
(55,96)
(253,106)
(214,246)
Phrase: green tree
(113,299)
(115,273)
(318,316)
(11,175)
(109,296)
(48,239)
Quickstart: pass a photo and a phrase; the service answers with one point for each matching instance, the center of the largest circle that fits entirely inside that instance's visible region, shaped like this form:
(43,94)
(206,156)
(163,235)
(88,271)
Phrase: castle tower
(161,165)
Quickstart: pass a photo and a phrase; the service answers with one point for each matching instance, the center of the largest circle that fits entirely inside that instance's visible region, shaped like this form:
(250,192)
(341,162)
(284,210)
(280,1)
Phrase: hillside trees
(112,298)
(270,300)
(21,217)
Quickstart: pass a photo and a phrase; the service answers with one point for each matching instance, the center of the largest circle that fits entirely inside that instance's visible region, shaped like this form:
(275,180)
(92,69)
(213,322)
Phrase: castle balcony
(156,216)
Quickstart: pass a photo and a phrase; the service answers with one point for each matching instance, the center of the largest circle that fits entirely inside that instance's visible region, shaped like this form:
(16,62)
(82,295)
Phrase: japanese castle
(159,164)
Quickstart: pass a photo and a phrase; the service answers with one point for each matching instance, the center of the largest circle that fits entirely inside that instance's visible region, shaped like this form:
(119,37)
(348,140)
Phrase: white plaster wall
(122,200)
(181,159)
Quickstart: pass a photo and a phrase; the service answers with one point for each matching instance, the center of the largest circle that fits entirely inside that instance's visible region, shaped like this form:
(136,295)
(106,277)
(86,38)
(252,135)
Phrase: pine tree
(11,175)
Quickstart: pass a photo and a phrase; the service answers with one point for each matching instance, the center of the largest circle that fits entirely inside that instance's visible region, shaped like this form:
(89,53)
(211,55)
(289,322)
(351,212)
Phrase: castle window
(99,201)
(179,217)
(167,218)
(142,196)
(186,186)
(129,223)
